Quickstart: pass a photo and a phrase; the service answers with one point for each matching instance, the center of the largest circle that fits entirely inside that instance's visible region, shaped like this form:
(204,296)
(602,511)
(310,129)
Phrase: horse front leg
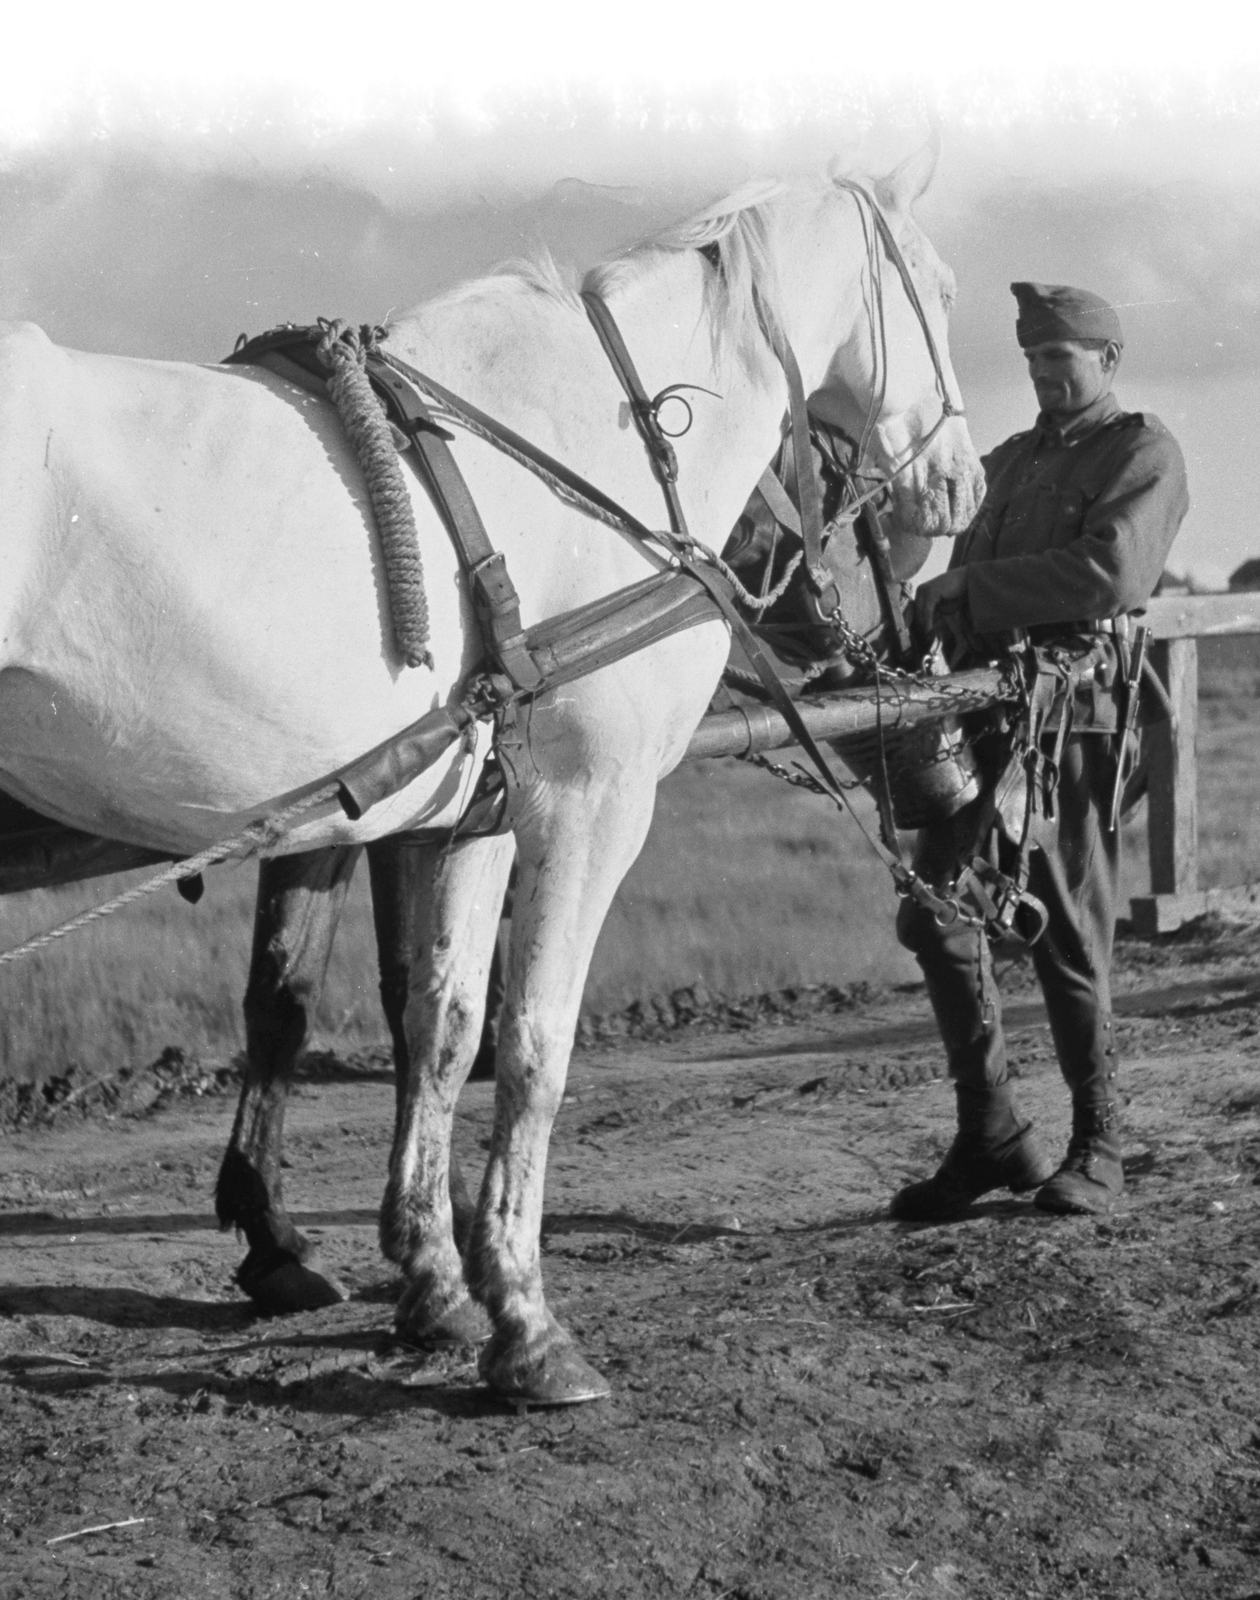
(437,914)
(571,863)
(300,898)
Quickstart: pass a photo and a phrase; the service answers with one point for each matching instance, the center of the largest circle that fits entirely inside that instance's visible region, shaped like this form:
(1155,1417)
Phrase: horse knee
(533,1054)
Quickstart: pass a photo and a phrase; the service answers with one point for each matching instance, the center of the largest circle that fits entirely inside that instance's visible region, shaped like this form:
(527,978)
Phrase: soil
(809,1400)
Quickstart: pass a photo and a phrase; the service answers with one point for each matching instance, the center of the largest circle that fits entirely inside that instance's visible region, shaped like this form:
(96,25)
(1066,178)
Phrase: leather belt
(1046,632)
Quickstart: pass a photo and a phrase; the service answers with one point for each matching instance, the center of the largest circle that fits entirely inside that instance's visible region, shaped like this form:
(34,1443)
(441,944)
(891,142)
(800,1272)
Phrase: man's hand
(938,595)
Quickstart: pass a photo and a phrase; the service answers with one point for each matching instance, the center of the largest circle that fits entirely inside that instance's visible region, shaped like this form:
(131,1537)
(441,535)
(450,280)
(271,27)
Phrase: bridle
(877,232)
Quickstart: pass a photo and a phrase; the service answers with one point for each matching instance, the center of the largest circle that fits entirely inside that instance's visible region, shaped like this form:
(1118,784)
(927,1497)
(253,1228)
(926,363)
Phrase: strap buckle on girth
(498,611)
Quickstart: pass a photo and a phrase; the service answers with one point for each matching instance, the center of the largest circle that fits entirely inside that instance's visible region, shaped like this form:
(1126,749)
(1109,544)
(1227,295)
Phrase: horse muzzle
(937,499)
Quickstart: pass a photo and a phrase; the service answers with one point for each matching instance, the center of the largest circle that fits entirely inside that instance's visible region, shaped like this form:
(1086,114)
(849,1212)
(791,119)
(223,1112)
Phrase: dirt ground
(809,1400)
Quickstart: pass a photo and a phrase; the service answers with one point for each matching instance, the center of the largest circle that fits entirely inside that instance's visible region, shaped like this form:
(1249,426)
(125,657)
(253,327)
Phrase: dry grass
(744,885)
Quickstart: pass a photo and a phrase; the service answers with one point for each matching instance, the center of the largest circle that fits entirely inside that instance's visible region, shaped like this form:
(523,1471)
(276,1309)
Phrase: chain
(799,779)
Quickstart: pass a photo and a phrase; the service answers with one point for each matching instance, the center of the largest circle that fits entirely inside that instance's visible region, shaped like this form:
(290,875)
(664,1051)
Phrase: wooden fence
(1178,622)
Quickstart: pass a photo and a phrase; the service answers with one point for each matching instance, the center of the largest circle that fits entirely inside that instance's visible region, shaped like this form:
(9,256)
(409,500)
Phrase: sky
(171,177)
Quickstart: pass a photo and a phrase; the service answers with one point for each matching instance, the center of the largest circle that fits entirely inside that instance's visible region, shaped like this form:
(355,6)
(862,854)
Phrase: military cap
(1049,311)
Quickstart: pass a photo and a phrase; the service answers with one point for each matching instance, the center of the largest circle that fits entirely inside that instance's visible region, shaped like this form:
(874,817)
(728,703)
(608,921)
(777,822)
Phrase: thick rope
(344,352)
(757,602)
(258,836)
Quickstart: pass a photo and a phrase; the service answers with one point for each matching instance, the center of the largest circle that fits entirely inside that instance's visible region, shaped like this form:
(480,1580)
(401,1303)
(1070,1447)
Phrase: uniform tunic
(1076,522)
(1076,525)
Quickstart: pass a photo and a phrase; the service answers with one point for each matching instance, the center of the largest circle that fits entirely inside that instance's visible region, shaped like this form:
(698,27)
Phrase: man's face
(1068,376)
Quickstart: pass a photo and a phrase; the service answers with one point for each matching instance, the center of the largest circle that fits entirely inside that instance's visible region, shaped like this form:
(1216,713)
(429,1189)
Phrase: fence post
(1173,815)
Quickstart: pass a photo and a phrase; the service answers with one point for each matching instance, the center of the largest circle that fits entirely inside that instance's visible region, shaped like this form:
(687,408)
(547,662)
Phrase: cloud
(1180,260)
(153,242)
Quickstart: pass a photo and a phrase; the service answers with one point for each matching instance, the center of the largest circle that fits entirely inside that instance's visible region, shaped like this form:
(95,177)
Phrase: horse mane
(732,234)
(538,275)
(730,231)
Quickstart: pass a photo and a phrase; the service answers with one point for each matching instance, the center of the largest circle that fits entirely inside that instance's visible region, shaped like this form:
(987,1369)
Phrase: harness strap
(779,502)
(881,564)
(593,501)
(804,478)
(660,451)
(494,595)
(895,254)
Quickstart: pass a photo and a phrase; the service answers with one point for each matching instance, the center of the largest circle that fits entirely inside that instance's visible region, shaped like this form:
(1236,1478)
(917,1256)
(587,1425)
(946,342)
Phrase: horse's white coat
(192,629)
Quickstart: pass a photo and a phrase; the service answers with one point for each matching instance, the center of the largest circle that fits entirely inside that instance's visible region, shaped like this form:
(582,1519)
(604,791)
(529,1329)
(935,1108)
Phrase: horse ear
(898,191)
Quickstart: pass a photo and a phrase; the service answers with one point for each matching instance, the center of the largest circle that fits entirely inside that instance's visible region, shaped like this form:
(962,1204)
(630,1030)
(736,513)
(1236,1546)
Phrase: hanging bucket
(932,770)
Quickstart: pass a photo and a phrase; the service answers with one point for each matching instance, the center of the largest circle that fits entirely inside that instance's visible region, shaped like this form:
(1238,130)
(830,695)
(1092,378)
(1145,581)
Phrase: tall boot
(992,1149)
(1091,1178)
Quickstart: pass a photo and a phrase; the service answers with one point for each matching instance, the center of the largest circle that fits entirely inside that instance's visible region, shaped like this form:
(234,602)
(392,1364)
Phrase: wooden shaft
(848,711)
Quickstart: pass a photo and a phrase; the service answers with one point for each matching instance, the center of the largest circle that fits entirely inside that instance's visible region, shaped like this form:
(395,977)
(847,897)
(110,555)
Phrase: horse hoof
(464,1323)
(558,1376)
(290,1287)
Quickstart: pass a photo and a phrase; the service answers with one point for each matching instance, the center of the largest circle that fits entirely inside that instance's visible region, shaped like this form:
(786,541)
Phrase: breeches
(1074,867)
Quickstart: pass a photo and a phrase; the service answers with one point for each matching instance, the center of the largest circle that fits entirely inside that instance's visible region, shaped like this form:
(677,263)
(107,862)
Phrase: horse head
(865,300)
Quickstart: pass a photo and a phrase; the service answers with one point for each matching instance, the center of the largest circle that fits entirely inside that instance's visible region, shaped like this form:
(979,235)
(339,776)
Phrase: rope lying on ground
(258,836)
(344,352)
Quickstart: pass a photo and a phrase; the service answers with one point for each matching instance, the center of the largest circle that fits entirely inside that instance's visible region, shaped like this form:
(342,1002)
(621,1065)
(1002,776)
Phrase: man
(1077,520)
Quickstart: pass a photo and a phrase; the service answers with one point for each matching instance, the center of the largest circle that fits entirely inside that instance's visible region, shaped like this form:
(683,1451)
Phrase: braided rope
(344,352)
(759,602)
(258,836)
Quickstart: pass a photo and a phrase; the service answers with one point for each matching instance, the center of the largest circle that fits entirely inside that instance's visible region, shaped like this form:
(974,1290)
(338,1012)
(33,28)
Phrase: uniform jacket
(1076,523)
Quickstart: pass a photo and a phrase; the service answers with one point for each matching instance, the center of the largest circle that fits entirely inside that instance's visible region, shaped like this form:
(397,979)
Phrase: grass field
(744,885)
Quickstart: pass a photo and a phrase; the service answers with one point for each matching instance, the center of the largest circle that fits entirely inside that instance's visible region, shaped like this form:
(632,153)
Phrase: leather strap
(894,253)
(515,444)
(494,595)
(779,501)
(644,410)
(880,552)
(805,479)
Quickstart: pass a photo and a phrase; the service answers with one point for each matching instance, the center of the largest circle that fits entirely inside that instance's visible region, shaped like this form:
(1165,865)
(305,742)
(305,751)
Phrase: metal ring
(686,405)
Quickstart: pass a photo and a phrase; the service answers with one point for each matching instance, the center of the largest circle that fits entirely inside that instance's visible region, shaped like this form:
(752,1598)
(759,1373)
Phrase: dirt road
(809,1400)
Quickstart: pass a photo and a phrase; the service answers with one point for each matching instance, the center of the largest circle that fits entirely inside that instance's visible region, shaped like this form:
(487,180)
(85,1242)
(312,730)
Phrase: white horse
(193,631)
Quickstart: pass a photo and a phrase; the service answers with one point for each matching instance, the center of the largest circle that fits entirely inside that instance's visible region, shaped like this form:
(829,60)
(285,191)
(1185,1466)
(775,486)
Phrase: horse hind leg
(300,898)
(401,883)
(438,914)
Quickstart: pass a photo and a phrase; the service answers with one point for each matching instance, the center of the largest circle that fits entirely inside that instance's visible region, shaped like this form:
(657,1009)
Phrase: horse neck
(665,318)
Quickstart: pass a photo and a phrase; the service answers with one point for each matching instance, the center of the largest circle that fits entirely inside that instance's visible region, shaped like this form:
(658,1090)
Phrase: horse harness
(690,583)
